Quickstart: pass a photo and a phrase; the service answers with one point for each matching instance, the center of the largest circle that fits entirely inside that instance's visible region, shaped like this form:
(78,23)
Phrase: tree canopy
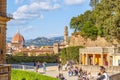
(103,20)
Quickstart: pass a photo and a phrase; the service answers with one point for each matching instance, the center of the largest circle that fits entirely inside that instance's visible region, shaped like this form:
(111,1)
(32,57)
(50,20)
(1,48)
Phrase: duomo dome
(18,38)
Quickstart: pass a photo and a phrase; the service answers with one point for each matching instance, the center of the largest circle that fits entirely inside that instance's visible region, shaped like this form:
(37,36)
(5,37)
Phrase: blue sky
(36,18)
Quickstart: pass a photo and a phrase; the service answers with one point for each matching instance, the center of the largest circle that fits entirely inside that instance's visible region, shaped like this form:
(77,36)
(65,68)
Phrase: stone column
(93,59)
(102,59)
(108,60)
(86,59)
(83,56)
(80,58)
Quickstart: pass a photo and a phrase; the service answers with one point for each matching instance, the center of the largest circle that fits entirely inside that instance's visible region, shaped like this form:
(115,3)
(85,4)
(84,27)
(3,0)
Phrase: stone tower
(66,35)
(4,18)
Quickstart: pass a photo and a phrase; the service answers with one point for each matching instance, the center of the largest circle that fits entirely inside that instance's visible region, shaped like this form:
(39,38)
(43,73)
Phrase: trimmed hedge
(19,59)
(70,53)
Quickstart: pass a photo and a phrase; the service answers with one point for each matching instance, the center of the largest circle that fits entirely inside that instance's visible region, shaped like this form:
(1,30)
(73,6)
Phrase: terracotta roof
(18,38)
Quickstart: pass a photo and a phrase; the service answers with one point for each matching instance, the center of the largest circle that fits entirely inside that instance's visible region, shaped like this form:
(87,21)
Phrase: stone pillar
(86,59)
(83,59)
(93,59)
(102,59)
(108,60)
(80,58)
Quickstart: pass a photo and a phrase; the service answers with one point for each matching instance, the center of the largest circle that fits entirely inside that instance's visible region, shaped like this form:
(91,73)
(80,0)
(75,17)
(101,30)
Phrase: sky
(43,18)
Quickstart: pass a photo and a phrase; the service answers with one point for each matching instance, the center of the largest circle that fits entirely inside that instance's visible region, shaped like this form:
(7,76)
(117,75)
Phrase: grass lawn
(26,75)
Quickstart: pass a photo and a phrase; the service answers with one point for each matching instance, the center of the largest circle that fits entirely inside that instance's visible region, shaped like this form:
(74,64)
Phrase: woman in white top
(103,75)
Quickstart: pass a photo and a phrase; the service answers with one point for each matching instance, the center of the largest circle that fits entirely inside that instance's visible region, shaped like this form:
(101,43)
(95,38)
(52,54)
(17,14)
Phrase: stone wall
(115,77)
(78,40)
(94,70)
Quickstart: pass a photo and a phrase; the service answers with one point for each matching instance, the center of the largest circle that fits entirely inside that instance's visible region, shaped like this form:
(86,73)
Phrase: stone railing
(5,71)
(115,77)
(98,50)
(91,50)
(95,69)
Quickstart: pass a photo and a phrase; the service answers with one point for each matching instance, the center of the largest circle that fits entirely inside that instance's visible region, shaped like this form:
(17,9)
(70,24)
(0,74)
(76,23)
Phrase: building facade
(66,35)
(4,18)
(104,56)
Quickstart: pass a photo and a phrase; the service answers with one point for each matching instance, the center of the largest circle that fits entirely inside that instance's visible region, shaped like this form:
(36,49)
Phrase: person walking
(44,67)
(103,74)
(59,67)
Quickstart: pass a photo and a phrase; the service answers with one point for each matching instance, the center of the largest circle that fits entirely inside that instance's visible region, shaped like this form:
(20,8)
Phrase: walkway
(50,71)
(53,72)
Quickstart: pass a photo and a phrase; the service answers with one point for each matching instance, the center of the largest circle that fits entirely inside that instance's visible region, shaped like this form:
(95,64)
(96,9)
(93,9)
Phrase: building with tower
(66,35)
(4,18)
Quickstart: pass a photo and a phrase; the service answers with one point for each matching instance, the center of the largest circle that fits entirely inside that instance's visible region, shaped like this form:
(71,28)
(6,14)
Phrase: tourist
(69,72)
(59,67)
(38,64)
(44,67)
(102,74)
(66,66)
(61,77)
(35,66)
(76,71)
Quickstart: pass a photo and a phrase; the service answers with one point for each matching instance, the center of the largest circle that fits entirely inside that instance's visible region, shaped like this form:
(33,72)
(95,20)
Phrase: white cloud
(19,1)
(54,35)
(28,28)
(34,9)
(72,2)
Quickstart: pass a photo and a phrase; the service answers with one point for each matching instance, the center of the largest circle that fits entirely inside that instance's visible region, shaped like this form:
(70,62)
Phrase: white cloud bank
(73,2)
(19,1)
(34,8)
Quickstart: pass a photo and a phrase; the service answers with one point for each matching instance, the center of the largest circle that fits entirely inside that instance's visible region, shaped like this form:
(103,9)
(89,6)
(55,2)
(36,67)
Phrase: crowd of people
(82,74)
(38,65)
(73,70)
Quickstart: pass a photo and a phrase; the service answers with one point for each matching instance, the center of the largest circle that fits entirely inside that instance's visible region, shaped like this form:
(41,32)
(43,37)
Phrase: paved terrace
(53,72)
(50,71)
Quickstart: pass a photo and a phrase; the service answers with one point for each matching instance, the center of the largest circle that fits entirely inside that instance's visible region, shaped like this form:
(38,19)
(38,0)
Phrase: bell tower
(66,35)
(4,18)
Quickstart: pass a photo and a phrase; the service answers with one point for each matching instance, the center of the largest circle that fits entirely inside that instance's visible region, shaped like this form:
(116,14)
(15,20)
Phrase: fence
(5,71)
(23,67)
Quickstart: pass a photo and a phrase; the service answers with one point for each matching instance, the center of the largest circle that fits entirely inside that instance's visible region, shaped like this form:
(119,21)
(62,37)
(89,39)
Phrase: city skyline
(35,18)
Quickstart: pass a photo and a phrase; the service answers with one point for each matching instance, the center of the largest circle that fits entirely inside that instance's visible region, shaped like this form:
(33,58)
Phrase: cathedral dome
(18,38)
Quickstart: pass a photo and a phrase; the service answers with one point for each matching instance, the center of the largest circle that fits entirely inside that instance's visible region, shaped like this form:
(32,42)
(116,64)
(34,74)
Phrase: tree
(93,3)
(103,21)
(108,17)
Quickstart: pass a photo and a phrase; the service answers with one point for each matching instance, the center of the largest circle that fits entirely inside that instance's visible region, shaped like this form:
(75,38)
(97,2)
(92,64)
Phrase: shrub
(70,53)
(19,59)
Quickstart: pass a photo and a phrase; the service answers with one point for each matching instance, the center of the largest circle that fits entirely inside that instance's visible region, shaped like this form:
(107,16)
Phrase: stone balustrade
(115,77)
(5,71)
(99,50)
(94,70)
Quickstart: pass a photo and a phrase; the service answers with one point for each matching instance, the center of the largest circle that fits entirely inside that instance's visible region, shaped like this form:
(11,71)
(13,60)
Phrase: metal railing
(23,67)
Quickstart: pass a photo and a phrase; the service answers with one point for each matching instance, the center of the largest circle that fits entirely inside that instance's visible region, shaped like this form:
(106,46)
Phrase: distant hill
(40,41)
(43,41)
